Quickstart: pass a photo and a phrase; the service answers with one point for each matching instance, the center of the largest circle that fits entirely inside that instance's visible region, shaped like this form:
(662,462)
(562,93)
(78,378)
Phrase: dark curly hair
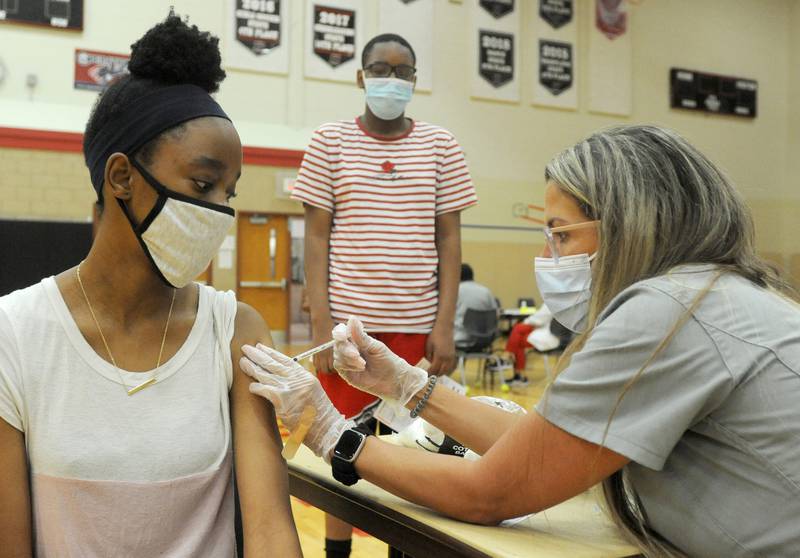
(170,53)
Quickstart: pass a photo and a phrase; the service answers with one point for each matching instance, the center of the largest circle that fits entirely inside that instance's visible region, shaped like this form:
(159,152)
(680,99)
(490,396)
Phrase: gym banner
(496,57)
(610,60)
(495,51)
(257,35)
(610,17)
(413,20)
(258,24)
(555,66)
(94,70)
(554,34)
(556,12)
(335,33)
(498,8)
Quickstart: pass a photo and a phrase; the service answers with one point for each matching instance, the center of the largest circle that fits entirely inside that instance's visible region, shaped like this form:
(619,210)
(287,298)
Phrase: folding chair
(481,326)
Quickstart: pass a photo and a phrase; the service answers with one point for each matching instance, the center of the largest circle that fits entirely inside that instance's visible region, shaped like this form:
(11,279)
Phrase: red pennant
(610,17)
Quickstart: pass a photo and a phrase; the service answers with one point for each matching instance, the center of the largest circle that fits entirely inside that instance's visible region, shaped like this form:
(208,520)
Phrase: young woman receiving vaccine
(679,393)
(121,410)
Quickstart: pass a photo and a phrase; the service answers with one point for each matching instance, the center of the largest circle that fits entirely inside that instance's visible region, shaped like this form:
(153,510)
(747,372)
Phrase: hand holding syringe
(361,360)
(349,357)
(369,365)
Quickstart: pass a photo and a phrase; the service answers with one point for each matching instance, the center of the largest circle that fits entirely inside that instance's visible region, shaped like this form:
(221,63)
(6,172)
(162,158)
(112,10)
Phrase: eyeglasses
(555,236)
(383,70)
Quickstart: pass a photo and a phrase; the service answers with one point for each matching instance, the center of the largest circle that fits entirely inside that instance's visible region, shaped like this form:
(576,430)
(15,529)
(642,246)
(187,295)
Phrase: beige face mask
(181,234)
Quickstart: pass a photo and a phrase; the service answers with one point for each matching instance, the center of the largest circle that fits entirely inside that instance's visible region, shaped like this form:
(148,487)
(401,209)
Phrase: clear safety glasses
(556,236)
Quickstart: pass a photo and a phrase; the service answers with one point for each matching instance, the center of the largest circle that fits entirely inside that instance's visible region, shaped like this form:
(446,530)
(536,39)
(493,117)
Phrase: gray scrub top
(712,427)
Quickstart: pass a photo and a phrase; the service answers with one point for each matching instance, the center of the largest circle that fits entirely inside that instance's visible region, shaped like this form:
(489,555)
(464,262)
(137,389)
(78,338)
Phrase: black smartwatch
(345,453)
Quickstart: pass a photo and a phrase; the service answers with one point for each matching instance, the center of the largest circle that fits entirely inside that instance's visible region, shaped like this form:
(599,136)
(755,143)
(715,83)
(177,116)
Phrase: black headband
(145,119)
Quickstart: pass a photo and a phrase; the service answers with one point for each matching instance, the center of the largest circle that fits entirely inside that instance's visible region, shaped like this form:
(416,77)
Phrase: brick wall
(44,185)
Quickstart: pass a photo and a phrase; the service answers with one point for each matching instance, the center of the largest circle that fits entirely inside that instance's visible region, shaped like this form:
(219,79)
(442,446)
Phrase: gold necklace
(152,380)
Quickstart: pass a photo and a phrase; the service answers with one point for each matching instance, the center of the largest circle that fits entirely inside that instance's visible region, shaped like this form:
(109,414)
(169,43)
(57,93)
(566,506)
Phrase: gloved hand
(370,366)
(291,388)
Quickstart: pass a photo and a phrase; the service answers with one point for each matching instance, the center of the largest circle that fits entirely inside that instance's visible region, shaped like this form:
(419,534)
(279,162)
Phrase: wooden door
(263,248)
(205,278)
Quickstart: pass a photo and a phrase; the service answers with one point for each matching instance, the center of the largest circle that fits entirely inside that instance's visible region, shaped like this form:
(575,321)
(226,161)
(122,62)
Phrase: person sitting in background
(471,295)
(518,341)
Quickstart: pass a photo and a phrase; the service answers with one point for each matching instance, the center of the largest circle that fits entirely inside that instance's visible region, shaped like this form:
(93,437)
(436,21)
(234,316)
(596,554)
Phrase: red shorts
(351,401)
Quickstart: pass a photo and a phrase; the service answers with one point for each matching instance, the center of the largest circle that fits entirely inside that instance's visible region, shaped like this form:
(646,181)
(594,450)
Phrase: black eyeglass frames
(384,69)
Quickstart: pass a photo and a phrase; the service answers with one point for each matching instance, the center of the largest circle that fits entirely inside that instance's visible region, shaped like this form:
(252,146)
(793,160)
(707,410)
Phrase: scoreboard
(713,93)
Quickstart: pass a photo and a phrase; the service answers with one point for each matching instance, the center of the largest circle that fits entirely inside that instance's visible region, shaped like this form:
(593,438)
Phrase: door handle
(273,247)
(264,284)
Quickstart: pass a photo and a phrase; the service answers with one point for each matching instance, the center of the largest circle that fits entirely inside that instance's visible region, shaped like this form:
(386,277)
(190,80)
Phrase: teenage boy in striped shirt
(383,195)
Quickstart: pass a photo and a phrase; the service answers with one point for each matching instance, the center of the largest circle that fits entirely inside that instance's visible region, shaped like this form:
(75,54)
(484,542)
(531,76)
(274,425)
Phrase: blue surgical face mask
(387,97)
(566,288)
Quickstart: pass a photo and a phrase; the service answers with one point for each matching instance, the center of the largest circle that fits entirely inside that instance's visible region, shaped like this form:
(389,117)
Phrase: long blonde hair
(661,203)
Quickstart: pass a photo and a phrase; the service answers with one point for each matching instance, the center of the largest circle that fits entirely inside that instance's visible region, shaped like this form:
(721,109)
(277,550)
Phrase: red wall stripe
(45,140)
(72,142)
(271,157)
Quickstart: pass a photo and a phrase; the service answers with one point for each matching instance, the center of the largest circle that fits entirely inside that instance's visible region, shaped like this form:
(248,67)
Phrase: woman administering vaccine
(679,393)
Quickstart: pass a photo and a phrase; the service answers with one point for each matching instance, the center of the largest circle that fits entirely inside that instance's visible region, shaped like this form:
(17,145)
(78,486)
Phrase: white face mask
(566,288)
(181,234)
(387,97)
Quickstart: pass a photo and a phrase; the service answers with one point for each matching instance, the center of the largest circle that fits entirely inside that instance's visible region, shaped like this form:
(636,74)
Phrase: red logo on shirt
(387,166)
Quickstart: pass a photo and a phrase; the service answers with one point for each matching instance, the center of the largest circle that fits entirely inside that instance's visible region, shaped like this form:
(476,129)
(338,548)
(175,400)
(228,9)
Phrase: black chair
(481,326)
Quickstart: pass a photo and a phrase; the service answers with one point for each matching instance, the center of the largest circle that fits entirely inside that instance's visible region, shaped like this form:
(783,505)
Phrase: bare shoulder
(249,328)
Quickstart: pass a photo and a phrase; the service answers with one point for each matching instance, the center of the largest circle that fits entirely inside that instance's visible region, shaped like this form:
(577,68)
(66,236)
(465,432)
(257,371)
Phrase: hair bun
(174,53)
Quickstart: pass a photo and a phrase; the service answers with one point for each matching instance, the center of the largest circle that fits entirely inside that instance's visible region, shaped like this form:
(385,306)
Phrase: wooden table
(575,529)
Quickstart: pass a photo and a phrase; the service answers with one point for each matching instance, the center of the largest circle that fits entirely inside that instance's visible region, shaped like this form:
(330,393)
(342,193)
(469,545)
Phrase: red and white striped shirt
(385,194)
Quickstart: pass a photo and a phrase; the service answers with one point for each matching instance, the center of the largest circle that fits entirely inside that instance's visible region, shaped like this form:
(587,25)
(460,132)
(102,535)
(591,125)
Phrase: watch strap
(345,471)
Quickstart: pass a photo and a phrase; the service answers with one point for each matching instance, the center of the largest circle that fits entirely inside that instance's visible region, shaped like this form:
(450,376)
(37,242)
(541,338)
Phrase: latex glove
(369,365)
(291,388)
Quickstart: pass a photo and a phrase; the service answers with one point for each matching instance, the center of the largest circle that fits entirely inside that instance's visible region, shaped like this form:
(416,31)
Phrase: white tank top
(111,474)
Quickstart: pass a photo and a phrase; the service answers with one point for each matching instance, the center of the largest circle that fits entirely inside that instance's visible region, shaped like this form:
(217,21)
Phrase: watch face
(348,445)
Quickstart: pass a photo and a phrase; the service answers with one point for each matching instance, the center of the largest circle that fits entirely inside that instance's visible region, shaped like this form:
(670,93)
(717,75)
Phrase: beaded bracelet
(422,402)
